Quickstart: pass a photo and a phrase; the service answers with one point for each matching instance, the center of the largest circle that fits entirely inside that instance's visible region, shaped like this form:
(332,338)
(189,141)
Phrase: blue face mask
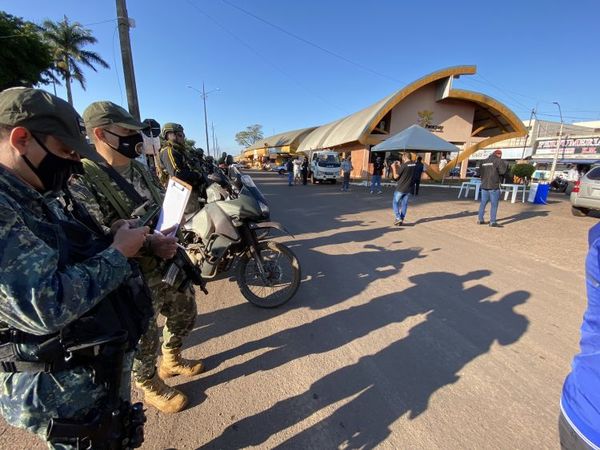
(53,171)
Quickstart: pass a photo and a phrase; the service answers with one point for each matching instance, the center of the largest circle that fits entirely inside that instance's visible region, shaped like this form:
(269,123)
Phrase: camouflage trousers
(179,310)
(30,400)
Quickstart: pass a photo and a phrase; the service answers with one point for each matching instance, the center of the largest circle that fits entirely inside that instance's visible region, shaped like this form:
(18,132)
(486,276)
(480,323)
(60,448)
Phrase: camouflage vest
(161,172)
(117,198)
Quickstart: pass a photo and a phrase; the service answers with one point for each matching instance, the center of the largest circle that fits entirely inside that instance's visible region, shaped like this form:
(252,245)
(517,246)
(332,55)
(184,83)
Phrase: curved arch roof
(282,139)
(358,126)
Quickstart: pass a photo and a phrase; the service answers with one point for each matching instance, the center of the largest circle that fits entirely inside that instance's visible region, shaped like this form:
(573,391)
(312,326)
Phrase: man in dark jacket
(404,175)
(377,174)
(419,168)
(492,171)
(289,167)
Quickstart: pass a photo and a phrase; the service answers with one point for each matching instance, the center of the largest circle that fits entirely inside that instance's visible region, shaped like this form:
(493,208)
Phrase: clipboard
(176,199)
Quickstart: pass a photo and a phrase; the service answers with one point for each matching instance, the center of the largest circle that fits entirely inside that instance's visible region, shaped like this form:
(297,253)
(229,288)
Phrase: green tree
(523,171)
(250,135)
(67,40)
(25,57)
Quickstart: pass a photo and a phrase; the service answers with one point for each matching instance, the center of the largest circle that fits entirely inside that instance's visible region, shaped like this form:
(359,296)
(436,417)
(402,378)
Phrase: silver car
(585,195)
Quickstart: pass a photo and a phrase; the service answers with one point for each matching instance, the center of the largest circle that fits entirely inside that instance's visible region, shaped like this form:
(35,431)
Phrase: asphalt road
(438,334)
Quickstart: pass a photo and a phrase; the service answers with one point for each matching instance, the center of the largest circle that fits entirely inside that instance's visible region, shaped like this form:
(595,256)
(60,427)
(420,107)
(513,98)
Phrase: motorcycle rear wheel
(282,277)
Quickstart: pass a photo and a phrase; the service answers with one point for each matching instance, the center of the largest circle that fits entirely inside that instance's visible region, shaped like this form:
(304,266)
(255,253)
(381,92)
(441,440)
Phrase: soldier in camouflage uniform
(41,140)
(116,134)
(177,161)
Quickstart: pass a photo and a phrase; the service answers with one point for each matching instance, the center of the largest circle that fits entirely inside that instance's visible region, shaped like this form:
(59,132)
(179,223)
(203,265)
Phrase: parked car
(279,169)
(471,172)
(585,195)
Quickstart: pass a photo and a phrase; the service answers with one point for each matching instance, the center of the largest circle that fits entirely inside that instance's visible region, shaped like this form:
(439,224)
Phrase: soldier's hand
(162,246)
(133,223)
(129,240)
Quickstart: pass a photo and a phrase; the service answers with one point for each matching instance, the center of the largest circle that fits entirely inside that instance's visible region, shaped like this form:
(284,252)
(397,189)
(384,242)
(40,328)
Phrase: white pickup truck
(324,166)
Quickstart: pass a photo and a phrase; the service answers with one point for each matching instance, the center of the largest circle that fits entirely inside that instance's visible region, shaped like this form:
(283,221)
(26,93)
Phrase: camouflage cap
(100,114)
(44,113)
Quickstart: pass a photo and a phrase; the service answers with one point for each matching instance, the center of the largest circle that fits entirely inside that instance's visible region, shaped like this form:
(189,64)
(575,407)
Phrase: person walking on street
(346,170)
(289,167)
(492,170)
(304,170)
(579,419)
(419,168)
(377,174)
(404,174)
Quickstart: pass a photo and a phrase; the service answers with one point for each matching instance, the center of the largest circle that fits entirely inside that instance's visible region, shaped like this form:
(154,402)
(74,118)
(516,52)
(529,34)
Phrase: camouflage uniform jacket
(35,295)
(38,297)
(178,162)
(87,190)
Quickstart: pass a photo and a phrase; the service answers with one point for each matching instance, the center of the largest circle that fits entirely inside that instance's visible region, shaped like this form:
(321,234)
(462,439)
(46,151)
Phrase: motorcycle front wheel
(278,283)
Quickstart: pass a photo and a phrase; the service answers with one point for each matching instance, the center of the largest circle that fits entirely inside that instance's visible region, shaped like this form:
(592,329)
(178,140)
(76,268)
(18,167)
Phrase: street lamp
(555,160)
(204,94)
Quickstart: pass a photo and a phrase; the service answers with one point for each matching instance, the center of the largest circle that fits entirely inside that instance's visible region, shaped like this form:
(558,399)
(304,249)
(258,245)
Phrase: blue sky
(528,54)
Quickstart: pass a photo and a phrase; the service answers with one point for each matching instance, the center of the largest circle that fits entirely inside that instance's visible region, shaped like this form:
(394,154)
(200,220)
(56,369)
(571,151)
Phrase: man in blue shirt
(579,422)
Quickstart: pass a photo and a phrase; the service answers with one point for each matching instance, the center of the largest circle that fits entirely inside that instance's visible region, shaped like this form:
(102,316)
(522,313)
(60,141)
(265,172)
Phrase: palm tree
(67,40)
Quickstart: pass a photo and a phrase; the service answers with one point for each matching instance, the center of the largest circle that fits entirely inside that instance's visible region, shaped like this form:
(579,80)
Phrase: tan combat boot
(173,364)
(164,398)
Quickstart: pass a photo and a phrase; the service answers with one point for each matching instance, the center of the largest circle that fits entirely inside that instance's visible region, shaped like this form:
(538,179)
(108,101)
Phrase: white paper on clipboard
(176,199)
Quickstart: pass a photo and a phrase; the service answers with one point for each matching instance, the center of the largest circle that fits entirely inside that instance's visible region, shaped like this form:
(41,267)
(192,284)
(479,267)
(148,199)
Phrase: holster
(117,428)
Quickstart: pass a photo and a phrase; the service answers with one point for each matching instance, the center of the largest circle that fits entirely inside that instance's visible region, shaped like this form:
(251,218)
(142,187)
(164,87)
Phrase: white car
(585,195)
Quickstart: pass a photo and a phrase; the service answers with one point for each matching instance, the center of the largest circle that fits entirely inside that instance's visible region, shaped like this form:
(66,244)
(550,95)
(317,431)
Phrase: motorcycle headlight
(264,208)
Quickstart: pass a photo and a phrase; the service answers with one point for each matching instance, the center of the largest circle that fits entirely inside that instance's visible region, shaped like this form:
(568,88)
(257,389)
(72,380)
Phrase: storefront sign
(507,153)
(512,153)
(569,147)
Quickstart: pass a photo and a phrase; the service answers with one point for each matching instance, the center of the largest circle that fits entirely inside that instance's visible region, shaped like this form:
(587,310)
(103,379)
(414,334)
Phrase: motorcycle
(229,232)
(559,184)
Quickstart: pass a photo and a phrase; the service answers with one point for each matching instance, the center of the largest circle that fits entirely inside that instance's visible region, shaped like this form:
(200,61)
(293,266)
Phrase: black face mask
(53,171)
(128,145)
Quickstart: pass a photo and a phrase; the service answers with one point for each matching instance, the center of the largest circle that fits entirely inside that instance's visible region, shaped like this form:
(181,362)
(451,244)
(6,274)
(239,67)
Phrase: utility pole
(128,72)
(204,94)
(214,143)
(555,159)
(205,119)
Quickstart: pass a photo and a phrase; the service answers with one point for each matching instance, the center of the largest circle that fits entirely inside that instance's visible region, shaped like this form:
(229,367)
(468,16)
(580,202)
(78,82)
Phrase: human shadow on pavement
(353,273)
(457,215)
(524,215)
(460,324)
(349,273)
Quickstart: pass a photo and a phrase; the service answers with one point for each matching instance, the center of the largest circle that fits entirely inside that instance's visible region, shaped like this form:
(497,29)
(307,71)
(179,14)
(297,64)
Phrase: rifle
(180,263)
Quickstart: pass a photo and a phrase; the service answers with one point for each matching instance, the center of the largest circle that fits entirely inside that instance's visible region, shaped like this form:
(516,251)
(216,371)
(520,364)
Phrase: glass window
(594,174)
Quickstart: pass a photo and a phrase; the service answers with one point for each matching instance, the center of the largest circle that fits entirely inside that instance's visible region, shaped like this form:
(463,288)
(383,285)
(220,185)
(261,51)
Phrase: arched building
(276,147)
(468,119)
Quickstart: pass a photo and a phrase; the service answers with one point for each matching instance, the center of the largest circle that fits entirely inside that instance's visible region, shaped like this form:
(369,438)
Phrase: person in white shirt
(346,167)
(573,174)
(297,170)
(443,162)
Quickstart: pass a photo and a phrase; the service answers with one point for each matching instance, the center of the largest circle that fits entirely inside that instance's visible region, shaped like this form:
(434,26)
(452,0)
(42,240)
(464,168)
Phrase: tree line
(52,52)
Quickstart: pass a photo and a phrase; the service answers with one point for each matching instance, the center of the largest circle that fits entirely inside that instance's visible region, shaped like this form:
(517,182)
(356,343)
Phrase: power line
(569,117)
(275,66)
(99,23)
(313,44)
(115,62)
